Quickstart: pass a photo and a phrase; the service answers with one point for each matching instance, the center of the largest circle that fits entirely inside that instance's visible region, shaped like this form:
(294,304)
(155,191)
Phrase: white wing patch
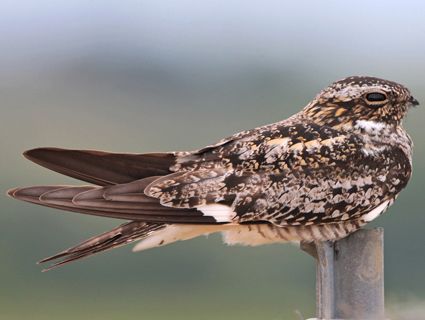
(373,214)
(220,212)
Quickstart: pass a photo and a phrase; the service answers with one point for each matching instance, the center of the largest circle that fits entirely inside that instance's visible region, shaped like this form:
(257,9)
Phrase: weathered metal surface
(350,276)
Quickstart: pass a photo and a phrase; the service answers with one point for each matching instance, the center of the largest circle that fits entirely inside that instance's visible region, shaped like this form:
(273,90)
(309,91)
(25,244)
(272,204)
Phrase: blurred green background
(142,76)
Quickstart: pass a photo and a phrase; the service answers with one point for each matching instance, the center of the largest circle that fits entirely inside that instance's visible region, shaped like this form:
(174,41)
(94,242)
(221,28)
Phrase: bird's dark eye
(376,98)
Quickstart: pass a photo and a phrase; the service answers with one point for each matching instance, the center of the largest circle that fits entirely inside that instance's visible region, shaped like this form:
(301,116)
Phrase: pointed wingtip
(34,154)
(42,261)
(28,154)
(11,192)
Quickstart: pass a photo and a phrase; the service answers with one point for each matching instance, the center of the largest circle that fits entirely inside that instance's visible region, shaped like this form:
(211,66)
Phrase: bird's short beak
(413,101)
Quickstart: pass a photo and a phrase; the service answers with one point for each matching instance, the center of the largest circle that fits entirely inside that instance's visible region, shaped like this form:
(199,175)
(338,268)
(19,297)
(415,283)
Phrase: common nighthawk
(318,175)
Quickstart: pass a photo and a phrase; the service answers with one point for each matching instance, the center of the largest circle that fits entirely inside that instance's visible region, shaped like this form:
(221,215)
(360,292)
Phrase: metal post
(350,276)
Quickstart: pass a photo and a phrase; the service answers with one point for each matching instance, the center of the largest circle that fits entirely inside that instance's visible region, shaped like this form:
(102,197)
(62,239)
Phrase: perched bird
(319,175)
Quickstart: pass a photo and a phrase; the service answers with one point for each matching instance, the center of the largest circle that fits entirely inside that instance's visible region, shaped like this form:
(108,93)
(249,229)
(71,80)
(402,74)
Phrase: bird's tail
(118,192)
(150,235)
(119,236)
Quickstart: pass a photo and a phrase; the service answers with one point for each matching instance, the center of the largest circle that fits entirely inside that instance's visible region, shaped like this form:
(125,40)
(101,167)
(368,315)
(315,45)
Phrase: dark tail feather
(102,168)
(119,236)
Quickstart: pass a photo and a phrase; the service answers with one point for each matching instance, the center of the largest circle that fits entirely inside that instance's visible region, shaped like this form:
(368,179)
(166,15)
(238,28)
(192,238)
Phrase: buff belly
(250,234)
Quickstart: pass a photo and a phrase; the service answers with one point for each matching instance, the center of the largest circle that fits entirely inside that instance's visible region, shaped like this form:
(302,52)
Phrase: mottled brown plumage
(318,175)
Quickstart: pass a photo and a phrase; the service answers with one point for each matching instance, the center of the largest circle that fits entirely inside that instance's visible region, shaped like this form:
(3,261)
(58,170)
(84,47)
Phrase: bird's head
(357,98)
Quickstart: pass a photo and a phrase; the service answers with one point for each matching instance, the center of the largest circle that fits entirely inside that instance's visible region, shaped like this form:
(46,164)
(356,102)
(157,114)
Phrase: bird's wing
(288,174)
(121,201)
(102,168)
(121,180)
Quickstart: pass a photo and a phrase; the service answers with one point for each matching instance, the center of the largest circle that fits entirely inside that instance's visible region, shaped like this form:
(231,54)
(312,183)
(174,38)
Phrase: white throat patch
(370,126)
